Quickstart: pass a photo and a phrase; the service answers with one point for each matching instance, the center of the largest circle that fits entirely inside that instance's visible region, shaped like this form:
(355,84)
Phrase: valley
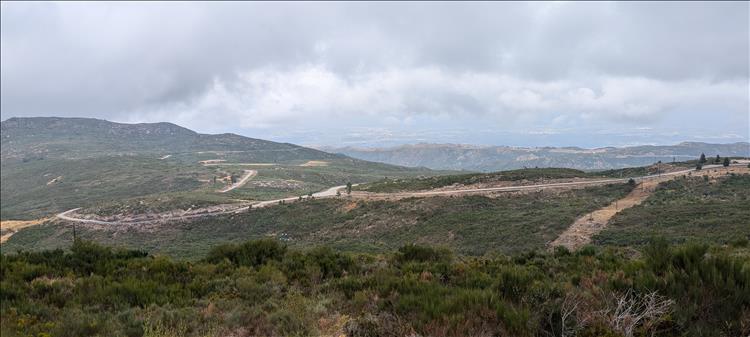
(279,225)
(375,169)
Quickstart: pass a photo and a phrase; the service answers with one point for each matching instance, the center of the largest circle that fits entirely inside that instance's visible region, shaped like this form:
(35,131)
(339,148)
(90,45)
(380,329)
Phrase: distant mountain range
(497,158)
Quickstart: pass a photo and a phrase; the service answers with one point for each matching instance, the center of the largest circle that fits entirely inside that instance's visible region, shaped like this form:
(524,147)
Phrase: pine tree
(726,161)
(703,158)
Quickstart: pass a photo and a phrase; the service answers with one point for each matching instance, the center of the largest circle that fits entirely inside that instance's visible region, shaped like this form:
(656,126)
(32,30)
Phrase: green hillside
(470,224)
(686,209)
(426,183)
(54,164)
(52,137)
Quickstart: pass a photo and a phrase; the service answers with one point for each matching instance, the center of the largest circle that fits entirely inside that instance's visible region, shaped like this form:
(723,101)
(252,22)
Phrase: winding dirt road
(331,192)
(249,174)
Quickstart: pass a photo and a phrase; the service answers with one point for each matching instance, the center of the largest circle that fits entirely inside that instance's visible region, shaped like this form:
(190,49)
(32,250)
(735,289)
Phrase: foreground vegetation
(264,288)
(472,225)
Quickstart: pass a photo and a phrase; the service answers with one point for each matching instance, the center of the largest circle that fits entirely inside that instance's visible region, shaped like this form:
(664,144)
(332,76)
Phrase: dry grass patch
(10,227)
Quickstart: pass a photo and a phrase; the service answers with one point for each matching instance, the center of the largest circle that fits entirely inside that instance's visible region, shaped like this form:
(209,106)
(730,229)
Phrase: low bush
(264,288)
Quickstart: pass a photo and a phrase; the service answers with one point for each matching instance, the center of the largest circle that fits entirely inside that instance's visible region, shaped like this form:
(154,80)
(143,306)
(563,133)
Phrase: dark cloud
(564,63)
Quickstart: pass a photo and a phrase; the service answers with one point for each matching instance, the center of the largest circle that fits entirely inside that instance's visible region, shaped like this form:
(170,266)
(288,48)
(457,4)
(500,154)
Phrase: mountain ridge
(87,137)
(496,158)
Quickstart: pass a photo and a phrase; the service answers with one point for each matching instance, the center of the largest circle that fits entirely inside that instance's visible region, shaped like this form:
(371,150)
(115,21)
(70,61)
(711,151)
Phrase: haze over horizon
(383,74)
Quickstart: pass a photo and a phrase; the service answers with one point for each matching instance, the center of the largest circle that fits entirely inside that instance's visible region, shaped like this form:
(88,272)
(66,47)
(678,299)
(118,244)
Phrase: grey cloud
(148,61)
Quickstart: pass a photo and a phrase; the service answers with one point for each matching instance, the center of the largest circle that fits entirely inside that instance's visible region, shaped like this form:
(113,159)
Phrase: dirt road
(249,174)
(68,216)
(586,227)
(331,192)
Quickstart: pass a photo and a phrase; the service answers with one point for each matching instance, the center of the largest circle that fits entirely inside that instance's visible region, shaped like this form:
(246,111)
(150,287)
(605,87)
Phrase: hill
(75,138)
(472,214)
(497,158)
(53,164)
(686,209)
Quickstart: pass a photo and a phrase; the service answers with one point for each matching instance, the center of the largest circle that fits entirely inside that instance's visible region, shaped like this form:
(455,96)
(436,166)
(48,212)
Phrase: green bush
(252,253)
(417,253)
(263,288)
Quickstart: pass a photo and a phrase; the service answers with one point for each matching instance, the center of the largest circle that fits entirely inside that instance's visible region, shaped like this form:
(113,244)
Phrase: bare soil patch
(315,163)
(10,227)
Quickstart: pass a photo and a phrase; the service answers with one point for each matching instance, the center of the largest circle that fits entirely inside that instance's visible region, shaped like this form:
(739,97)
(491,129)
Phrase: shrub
(251,253)
(739,242)
(417,253)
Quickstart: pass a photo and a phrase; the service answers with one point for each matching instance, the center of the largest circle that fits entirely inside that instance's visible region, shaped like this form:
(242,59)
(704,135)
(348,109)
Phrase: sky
(382,74)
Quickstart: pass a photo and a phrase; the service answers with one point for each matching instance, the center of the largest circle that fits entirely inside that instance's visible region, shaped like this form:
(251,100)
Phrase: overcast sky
(586,74)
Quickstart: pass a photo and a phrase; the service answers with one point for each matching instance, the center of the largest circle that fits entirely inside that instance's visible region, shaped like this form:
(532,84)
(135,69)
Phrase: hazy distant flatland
(498,158)
(52,164)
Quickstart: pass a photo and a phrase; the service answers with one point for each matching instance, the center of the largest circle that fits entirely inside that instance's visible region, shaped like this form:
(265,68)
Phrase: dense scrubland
(686,209)
(426,183)
(468,224)
(264,288)
(528,175)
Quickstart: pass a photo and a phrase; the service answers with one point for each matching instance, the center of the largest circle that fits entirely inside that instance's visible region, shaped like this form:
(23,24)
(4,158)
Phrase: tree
(718,159)
(349,187)
(699,166)
(726,161)
(703,158)
(631,182)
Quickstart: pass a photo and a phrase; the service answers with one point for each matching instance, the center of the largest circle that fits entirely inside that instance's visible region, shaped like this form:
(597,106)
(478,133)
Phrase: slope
(52,164)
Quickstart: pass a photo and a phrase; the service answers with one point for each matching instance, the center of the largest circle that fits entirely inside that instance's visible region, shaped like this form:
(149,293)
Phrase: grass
(686,209)
(470,224)
(533,175)
(26,194)
(426,183)
(305,180)
(100,163)
(145,183)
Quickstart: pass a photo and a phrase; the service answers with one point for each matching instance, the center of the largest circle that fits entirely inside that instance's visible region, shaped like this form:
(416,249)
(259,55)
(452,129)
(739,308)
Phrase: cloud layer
(258,68)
